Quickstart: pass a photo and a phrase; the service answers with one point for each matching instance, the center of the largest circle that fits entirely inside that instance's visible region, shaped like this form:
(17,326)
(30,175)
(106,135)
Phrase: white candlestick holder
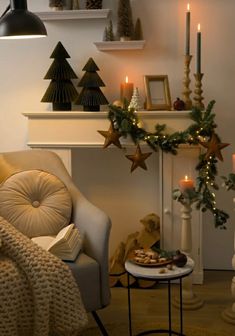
(190,300)
(228,314)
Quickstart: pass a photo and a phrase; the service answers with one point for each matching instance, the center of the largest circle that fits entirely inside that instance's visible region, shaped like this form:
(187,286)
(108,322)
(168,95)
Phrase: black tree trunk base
(62,106)
(91,108)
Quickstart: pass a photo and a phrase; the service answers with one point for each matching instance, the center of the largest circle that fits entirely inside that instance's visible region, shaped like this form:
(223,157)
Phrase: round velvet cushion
(36,203)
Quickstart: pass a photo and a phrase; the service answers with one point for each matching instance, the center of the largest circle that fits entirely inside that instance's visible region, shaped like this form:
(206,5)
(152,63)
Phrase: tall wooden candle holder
(228,314)
(190,299)
(186,83)
(198,98)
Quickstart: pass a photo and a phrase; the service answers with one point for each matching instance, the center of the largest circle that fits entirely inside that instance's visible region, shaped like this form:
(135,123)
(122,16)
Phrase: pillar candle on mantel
(187,44)
(126,90)
(186,184)
(234,163)
(199,37)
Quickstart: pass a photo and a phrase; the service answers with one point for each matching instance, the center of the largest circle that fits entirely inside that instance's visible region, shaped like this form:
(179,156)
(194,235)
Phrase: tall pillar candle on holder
(198,98)
(187,60)
(126,91)
(190,300)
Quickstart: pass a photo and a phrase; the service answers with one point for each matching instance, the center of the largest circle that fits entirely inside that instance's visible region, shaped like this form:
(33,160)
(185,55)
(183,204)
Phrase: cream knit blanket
(38,294)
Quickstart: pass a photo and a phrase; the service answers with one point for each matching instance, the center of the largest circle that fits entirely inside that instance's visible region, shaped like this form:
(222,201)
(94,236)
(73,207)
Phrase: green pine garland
(126,122)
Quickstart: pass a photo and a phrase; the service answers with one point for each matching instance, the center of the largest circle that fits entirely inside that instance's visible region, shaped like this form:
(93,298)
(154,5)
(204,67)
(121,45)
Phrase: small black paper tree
(61,91)
(125,22)
(91,97)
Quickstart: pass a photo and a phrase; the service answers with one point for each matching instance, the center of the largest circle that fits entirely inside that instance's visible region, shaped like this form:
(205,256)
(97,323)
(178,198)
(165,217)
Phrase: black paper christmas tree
(91,97)
(61,91)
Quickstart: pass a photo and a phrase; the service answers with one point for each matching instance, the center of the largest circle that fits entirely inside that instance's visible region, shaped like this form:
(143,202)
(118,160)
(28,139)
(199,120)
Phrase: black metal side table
(152,273)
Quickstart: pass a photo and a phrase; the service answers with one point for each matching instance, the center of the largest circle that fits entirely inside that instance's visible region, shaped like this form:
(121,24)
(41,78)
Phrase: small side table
(152,273)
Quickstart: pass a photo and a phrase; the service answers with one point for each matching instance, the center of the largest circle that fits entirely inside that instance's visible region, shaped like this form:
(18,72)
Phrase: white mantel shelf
(74,14)
(68,129)
(120,45)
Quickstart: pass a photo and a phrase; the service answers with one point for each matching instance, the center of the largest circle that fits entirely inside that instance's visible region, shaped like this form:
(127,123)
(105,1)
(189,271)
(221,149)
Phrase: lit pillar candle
(186,184)
(187,44)
(198,70)
(234,163)
(126,90)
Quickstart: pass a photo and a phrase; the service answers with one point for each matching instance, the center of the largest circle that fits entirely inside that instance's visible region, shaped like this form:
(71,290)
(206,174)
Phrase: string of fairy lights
(125,123)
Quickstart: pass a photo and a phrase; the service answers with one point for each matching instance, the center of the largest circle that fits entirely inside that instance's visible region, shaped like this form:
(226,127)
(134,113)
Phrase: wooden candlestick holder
(198,98)
(186,82)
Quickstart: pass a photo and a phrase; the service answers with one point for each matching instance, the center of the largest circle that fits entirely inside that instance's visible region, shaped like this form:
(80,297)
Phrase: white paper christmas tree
(136,102)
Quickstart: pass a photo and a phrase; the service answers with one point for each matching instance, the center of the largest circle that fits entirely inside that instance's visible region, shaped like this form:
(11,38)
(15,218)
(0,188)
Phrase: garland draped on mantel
(125,122)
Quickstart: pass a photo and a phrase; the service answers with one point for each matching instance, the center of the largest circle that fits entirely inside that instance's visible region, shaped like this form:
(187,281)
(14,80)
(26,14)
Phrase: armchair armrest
(94,226)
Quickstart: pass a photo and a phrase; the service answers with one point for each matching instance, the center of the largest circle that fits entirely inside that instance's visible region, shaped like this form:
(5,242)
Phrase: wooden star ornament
(138,159)
(112,136)
(214,147)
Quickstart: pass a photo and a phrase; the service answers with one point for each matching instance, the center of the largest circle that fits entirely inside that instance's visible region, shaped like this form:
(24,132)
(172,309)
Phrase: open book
(66,245)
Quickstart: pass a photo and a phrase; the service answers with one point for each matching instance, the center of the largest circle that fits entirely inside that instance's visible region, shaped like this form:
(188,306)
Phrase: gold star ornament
(138,159)
(214,147)
(112,136)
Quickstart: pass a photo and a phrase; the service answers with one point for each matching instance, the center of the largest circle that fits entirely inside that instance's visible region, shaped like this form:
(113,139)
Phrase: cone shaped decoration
(91,97)
(138,32)
(61,91)
(125,25)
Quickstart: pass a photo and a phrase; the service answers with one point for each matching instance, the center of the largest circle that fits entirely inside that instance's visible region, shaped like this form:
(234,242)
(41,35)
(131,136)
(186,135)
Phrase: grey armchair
(91,267)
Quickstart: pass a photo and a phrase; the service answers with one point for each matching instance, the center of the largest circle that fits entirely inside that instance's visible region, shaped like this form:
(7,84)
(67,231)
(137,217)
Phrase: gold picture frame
(157,92)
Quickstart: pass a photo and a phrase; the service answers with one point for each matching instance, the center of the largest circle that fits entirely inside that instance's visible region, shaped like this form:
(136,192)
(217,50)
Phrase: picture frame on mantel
(157,92)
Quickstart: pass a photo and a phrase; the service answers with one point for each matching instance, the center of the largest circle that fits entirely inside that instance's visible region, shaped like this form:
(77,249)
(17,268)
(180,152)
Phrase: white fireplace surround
(62,131)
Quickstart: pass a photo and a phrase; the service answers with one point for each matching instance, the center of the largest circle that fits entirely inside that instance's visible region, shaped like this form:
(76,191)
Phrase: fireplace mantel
(68,129)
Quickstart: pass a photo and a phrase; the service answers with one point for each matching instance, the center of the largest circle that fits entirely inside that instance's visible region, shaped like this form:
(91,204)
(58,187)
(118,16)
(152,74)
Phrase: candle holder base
(189,303)
(228,315)
(186,83)
(198,98)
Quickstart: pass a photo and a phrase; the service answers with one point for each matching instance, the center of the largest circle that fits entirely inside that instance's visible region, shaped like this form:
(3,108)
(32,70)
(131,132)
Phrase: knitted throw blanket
(38,294)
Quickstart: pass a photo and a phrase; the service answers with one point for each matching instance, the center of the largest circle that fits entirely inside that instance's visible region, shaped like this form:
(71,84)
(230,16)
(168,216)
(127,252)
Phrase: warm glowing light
(188,7)
(186,177)
(199,27)
(126,79)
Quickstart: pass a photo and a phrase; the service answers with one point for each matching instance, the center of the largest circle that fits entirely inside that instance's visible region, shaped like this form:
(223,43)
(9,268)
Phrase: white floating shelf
(120,45)
(74,14)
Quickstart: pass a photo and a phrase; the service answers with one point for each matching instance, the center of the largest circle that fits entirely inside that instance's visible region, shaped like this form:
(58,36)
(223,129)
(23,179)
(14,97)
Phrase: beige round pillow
(35,202)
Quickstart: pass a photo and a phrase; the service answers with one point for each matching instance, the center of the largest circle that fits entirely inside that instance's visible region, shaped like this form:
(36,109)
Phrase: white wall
(23,65)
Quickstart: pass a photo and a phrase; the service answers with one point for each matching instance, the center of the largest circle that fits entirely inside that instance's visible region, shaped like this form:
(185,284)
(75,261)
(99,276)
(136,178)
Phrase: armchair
(90,269)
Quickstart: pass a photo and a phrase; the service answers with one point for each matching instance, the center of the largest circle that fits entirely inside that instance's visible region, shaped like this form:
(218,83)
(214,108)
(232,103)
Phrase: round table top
(148,272)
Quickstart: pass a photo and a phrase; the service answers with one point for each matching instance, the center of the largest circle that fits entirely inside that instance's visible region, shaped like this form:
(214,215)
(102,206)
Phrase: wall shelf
(74,14)
(120,45)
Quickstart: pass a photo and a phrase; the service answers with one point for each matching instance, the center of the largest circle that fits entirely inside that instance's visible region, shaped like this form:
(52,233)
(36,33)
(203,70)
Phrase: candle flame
(186,177)
(188,7)
(126,79)
(199,27)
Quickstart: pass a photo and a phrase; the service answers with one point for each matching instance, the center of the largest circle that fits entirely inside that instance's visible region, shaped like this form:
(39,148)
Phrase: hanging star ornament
(138,159)
(112,136)
(214,147)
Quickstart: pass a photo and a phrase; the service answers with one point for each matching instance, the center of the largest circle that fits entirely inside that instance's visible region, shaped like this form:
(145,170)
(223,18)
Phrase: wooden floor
(149,305)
